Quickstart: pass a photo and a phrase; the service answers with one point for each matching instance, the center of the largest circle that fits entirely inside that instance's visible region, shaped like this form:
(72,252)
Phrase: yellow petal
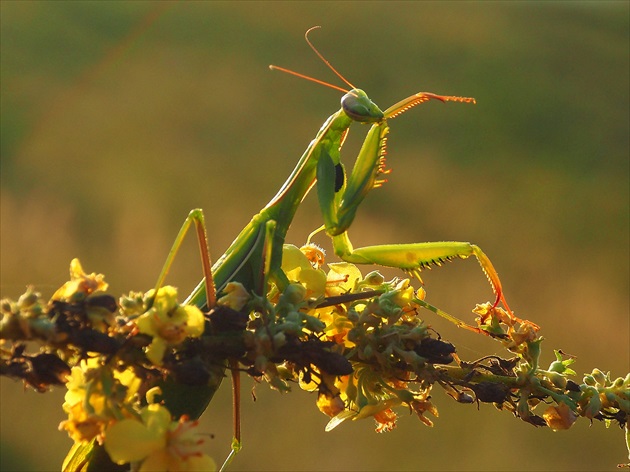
(158,461)
(314,280)
(67,290)
(559,417)
(155,351)
(195,322)
(372,409)
(342,277)
(147,322)
(76,271)
(201,463)
(156,418)
(129,379)
(166,299)
(236,296)
(293,258)
(129,440)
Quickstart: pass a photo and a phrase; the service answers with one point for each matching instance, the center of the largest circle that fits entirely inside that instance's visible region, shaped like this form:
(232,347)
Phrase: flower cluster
(108,355)
(359,341)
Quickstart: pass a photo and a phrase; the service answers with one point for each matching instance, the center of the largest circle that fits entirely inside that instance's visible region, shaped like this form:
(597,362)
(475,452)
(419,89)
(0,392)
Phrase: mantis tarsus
(255,257)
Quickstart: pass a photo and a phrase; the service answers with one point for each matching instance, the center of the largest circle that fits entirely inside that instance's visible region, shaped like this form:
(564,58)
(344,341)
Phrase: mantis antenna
(323,58)
(312,79)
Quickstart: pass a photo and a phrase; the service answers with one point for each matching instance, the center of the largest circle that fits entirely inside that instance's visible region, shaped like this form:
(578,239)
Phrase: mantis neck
(285,202)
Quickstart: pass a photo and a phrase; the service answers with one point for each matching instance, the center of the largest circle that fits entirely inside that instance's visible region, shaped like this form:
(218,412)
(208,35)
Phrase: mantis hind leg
(194,217)
(412,258)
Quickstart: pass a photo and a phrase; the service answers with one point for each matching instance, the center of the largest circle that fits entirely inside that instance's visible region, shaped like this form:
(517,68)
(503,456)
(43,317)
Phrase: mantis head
(359,107)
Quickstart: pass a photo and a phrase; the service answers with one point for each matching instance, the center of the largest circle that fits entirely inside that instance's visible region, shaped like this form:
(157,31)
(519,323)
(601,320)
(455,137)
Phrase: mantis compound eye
(359,107)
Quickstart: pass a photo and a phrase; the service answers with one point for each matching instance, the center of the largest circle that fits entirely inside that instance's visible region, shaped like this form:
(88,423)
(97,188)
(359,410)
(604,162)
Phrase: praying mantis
(255,256)
(254,259)
(339,196)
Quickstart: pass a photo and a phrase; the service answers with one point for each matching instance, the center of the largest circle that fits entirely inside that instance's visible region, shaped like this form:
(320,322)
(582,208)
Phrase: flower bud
(367,352)
(314,324)
(592,407)
(557,379)
(374,278)
(28,298)
(279,340)
(294,293)
(8,307)
(599,376)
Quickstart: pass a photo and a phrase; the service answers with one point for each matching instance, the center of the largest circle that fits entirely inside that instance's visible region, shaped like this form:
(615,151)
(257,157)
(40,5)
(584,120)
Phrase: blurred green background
(119,117)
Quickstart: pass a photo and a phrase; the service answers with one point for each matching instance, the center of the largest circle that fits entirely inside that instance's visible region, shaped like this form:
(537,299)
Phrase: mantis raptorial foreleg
(339,203)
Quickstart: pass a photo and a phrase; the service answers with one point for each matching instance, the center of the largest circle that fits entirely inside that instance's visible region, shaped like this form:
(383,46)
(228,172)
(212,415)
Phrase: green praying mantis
(255,256)
(339,196)
(254,259)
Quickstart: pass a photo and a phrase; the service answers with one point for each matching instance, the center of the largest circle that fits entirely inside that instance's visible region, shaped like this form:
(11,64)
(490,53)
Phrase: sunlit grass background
(118,118)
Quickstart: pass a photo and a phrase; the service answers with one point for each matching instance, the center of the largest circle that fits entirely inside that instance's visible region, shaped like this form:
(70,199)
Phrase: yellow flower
(342,278)
(420,407)
(168,322)
(330,405)
(405,293)
(368,398)
(559,417)
(337,326)
(157,442)
(89,404)
(315,255)
(236,296)
(385,420)
(81,425)
(381,411)
(298,268)
(86,412)
(367,394)
(80,284)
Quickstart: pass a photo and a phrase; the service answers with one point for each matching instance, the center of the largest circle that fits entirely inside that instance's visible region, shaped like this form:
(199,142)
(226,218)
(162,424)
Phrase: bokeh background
(119,117)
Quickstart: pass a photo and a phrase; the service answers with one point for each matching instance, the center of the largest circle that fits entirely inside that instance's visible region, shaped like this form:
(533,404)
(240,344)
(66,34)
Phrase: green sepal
(90,457)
